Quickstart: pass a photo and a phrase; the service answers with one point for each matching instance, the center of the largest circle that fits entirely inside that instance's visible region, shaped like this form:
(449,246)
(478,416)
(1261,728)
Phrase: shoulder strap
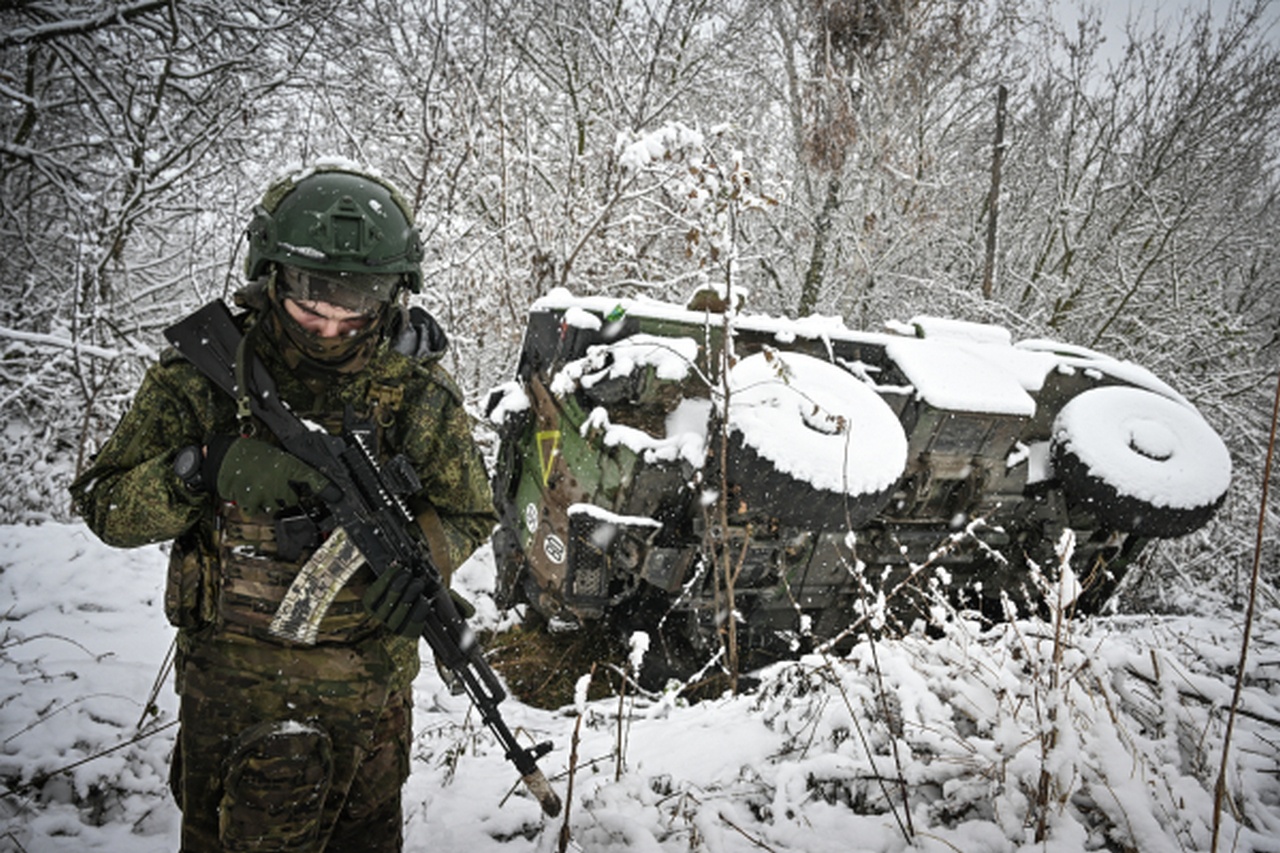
(437,542)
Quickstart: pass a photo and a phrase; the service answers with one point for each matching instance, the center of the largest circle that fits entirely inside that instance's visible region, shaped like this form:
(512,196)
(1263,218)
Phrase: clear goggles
(365,293)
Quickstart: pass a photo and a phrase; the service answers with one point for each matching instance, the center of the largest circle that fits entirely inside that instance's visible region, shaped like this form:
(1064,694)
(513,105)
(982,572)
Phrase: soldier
(286,747)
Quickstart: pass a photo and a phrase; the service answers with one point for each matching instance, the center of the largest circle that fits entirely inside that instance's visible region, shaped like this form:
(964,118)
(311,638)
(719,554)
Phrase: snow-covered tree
(125,134)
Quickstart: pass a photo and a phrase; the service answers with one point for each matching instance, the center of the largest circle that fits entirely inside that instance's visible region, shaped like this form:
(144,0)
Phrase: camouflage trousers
(289,750)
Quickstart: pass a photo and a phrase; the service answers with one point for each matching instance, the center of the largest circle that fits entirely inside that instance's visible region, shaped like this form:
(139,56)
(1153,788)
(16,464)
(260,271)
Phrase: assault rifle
(371,522)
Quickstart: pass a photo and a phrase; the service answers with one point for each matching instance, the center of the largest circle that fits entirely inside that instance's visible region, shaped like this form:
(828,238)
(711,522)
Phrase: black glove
(260,477)
(395,598)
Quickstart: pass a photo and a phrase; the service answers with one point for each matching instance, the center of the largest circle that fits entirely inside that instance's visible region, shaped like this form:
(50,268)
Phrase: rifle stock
(369,515)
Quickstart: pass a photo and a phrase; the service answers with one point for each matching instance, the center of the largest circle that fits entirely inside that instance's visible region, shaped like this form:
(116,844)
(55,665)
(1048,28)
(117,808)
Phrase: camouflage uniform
(282,746)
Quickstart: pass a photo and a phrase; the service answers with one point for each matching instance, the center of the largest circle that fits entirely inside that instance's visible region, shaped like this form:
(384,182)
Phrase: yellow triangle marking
(548,450)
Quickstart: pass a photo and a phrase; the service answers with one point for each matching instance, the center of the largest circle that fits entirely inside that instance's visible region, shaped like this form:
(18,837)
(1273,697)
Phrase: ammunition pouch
(188,592)
(256,567)
(296,535)
(276,781)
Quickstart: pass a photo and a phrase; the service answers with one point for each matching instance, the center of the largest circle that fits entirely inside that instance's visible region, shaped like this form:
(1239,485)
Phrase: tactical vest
(237,581)
(253,578)
(233,576)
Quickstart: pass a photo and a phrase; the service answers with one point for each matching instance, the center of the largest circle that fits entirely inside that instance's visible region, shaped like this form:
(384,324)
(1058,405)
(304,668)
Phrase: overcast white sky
(1117,12)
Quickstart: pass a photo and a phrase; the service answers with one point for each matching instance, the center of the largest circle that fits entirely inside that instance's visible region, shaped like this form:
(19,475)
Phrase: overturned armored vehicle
(823,479)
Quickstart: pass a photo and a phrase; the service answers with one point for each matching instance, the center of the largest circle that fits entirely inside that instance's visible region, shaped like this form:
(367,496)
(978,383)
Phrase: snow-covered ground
(974,741)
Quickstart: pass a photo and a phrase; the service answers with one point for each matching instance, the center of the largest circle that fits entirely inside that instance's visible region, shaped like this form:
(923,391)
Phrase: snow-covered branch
(80,25)
(59,342)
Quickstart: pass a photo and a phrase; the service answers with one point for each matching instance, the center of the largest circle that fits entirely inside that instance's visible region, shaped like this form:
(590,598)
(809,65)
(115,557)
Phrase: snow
(637,151)
(1126,719)
(686,430)
(606,517)
(953,377)
(66,343)
(1099,734)
(685,438)
(931,344)
(578,319)
(505,400)
(924,326)
(670,358)
(817,423)
(295,172)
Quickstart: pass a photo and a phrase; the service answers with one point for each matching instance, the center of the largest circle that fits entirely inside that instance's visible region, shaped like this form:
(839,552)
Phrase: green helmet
(334,219)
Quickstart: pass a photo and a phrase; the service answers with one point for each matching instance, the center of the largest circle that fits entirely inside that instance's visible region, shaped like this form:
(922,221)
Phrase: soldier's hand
(260,477)
(395,598)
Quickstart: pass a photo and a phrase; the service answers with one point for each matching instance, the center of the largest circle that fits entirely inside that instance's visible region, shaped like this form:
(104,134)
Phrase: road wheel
(1139,462)
(810,445)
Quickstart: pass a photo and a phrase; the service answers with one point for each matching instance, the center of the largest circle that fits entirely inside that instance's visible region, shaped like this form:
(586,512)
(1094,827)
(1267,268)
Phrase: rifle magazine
(313,590)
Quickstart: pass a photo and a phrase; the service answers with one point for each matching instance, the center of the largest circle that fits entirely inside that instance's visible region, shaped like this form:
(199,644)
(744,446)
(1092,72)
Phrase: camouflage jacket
(223,573)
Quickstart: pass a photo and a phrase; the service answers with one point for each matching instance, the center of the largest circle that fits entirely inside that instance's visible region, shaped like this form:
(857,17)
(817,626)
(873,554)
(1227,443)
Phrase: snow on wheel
(810,442)
(1141,462)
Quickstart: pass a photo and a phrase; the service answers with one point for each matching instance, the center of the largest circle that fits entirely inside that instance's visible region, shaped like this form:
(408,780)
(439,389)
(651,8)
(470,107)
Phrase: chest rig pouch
(260,555)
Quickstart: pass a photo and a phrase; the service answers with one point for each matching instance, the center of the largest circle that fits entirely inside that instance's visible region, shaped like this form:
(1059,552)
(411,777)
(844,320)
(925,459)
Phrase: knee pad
(276,781)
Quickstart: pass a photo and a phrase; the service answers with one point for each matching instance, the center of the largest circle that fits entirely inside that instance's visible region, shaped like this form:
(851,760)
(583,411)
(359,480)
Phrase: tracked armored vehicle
(841,479)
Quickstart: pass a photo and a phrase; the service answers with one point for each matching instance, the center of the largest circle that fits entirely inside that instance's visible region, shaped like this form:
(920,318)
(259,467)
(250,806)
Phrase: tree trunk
(993,201)
(816,272)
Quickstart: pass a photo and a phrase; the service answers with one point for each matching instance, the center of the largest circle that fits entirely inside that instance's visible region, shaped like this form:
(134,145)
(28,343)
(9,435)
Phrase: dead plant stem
(882,694)
(1049,739)
(906,829)
(573,765)
(1220,789)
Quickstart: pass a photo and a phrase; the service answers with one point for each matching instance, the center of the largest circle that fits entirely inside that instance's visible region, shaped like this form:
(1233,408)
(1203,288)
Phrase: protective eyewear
(364,293)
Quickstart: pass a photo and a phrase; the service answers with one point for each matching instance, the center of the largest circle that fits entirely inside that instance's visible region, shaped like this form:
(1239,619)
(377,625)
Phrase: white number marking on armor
(554,548)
